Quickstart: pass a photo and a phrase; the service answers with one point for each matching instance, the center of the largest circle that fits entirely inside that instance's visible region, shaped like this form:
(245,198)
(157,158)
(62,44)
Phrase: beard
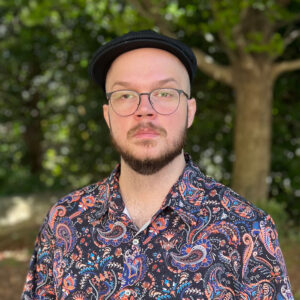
(149,166)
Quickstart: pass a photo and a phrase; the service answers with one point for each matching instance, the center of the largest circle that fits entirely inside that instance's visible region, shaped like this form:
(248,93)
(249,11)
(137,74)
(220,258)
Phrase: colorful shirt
(206,242)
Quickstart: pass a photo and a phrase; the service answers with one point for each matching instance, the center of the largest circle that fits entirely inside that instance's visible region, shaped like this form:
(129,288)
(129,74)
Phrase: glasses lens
(165,101)
(124,103)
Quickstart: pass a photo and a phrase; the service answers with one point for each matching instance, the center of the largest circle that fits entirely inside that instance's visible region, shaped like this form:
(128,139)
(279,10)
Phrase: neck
(143,195)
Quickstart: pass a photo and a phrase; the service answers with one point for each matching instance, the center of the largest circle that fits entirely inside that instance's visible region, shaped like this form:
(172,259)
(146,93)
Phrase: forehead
(146,65)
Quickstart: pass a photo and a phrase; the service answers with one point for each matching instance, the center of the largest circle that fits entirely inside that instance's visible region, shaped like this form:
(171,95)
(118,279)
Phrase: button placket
(135,242)
(127,292)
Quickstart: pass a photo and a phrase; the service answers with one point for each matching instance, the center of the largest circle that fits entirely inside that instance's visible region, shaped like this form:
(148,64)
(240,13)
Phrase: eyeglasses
(164,101)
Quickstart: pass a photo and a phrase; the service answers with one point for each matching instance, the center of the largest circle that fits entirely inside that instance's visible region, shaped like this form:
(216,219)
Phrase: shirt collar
(185,197)
(115,203)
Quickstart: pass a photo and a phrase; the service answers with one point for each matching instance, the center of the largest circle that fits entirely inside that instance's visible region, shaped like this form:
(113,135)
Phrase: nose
(145,108)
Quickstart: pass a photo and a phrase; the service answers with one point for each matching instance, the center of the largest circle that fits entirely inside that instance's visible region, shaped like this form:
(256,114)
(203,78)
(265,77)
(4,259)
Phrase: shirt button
(127,292)
(135,242)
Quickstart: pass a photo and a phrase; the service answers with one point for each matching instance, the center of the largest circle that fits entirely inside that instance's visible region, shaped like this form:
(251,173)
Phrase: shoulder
(224,203)
(220,210)
(236,204)
(95,190)
(79,203)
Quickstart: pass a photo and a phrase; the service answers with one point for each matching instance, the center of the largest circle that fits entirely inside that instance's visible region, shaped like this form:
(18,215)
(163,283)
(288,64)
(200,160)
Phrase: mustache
(138,127)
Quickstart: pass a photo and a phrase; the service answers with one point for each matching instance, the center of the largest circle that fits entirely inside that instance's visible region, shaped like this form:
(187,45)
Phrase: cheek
(176,124)
(180,120)
(118,127)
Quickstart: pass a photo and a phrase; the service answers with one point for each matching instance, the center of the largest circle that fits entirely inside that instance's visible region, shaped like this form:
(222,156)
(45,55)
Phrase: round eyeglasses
(164,101)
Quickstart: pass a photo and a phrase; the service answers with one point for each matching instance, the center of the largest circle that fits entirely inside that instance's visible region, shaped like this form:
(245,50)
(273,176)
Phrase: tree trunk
(252,144)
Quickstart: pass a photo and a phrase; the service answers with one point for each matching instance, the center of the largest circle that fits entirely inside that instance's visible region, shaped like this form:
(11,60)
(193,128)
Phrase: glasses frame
(108,97)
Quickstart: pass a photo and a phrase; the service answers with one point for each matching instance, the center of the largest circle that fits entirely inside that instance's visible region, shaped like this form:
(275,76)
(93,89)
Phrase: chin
(149,166)
(147,157)
(148,162)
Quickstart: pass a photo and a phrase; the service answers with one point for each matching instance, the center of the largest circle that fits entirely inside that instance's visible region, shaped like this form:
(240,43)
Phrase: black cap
(107,53)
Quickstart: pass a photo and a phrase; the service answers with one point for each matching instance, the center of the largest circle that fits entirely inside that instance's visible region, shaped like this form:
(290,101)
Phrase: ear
(106,114)
(192,107)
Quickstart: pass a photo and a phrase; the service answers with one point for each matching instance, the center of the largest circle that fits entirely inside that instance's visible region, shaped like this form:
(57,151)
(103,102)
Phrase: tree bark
(252,144)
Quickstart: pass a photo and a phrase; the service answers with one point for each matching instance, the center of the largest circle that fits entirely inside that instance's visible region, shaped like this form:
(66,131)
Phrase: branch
(218,72)
(286,66)
(146,10)
(204,61)
(238,34)
(291,37)
(290,22)
(221,35)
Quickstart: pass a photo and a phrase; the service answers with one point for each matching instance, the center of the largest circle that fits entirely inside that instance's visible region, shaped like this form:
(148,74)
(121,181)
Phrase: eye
(165,94)
(125,96)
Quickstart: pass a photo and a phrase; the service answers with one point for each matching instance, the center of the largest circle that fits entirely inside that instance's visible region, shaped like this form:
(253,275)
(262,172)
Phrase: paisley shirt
(206,242)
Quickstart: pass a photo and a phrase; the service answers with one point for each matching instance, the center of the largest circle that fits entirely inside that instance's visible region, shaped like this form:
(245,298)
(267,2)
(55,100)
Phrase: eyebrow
(157,83)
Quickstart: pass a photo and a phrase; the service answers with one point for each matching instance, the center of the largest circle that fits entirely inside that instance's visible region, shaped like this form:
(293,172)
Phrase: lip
(146,133)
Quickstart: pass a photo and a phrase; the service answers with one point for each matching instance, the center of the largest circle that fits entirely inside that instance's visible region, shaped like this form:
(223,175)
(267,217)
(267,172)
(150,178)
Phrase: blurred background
(53,138)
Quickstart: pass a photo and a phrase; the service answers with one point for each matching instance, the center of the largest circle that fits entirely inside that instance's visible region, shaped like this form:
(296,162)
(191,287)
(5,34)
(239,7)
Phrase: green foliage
(223,19)
(274,47)
(285,185)
(45,48)
(48,105)
(42,45)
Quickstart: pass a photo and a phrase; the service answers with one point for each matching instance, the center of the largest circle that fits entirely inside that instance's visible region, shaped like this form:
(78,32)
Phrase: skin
(146,134)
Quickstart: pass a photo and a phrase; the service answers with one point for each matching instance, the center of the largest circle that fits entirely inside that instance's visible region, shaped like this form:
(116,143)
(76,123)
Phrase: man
(157,228)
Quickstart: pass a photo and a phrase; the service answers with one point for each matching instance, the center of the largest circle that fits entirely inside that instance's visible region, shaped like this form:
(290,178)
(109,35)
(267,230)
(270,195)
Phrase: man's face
(146,140)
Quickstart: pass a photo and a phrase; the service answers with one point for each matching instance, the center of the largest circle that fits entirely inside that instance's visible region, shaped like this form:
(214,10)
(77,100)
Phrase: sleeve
(263,263)
(39,282)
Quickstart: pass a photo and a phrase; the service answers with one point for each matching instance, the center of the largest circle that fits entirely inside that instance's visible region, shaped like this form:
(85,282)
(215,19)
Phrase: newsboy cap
(106,54)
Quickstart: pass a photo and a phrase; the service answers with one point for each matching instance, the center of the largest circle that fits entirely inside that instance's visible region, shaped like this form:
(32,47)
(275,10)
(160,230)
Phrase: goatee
(149,166)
